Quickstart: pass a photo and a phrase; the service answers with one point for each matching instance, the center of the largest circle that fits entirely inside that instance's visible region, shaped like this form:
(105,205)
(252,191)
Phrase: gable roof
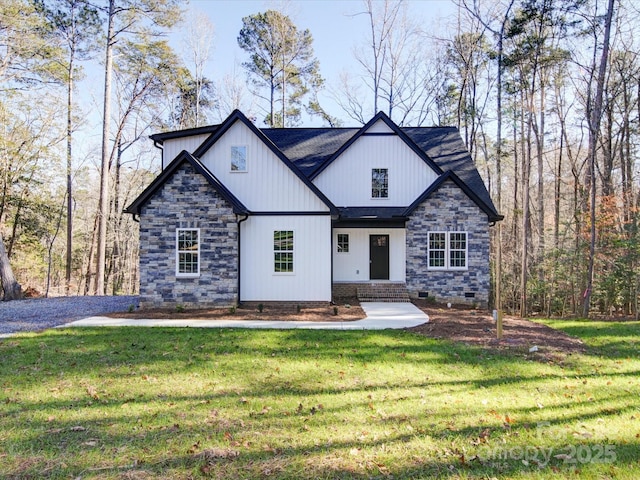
(168,172)
(238,116)
(489,209)
(381,116)
(308,151)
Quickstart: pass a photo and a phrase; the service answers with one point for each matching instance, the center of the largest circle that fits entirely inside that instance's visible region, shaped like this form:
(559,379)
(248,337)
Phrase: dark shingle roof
(308,148)
(311,149)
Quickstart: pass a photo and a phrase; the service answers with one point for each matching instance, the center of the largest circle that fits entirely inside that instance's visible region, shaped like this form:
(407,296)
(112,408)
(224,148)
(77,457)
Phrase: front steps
(383,292)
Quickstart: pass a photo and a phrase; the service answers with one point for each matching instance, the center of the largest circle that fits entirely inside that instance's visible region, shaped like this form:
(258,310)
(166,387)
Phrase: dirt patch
(344,312)
(478,328)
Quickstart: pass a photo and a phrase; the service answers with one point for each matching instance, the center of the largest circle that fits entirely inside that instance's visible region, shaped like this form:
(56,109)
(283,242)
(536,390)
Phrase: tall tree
(282,61)
(397,75)
(594,119)
(198,43)
(124,17)
(29,58)
(76,23)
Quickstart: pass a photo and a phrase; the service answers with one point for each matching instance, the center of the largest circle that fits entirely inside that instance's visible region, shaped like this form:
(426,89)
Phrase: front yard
(135,403)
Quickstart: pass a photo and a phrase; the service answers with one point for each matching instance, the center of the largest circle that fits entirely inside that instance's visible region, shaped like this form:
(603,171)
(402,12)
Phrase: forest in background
(545,94)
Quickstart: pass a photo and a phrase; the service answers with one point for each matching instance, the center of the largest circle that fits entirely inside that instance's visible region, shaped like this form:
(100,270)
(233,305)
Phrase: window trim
(465,250)
(429,249)
(180,274)
(292,251)
(341,248)
(383,187)
(448,250)
(246,158)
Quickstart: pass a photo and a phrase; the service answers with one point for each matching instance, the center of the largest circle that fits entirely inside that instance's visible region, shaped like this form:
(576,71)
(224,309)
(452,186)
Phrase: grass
(195,403)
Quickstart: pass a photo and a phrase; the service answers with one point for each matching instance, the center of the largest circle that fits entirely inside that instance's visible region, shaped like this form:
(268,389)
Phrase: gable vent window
(283,251)
(447,251)
(379,183)
(239,158)
(187,252)
(343,243)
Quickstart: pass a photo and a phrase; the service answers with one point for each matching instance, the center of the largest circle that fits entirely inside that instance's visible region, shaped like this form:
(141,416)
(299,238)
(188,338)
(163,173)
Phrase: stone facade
(449,209)
(187,200)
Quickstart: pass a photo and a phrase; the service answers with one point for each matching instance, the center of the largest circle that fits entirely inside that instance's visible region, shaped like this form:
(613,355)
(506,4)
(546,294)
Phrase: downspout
(160,146)
(238,222)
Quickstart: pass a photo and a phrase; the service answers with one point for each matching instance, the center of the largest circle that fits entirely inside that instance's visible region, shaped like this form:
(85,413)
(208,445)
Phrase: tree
(594,118)
(198,42)
(191,97)
(124,17)
(397,75)
(76,23)
(29,58)
(282,61)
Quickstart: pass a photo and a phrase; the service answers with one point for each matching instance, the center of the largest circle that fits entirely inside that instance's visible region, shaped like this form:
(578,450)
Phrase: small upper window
(239,158)
(187,252)
(379,183)
(343,243)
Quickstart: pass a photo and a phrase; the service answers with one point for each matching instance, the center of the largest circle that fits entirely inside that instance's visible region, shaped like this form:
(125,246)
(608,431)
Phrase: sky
(335,26)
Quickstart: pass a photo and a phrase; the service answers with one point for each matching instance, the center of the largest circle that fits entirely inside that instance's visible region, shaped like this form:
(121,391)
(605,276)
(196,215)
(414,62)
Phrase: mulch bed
(459,324)
(477,327)
(346,312)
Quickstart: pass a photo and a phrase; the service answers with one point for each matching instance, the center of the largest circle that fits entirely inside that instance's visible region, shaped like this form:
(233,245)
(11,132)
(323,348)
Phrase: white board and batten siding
(347,181)
(268,185)
(353,266)
(311,277)
(172,147)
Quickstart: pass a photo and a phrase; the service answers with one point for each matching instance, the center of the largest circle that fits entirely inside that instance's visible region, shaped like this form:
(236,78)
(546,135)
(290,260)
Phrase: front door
(379,257)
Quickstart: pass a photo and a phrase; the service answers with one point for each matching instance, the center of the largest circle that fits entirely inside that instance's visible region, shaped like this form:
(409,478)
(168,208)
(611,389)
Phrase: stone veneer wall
(187,200)
(449,209)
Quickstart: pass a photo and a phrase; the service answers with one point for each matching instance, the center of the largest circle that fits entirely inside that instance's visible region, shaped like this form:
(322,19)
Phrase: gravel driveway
(36,314)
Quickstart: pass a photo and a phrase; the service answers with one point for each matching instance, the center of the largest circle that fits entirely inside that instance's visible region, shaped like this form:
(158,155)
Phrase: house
(243,214)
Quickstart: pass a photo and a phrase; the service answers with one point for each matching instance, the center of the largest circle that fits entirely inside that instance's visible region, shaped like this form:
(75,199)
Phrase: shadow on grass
(122,428)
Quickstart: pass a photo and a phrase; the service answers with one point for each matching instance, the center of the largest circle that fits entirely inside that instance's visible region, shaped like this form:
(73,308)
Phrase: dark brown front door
(379,257)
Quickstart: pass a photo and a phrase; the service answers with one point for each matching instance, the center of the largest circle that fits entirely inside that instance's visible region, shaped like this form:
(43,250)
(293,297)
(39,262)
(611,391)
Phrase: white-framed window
(187,252)
(239,158)
(283,251)
(447,251)
(343,243)
(437,250)
(379,183)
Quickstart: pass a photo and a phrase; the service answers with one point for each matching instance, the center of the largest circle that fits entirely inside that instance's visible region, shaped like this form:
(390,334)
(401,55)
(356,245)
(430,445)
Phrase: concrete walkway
(379,316)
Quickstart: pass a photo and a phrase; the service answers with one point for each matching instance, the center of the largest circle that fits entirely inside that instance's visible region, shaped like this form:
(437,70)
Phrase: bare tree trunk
(69,185)
(10,286)
(88,275)
(103,203)
(594,129)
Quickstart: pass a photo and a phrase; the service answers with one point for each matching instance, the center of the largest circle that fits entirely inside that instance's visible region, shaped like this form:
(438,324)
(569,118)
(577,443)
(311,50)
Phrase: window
(457,250)
(379,183)
(343,243)
(187,252)
(437,249)
(239,159)
(447,250)
(283,251)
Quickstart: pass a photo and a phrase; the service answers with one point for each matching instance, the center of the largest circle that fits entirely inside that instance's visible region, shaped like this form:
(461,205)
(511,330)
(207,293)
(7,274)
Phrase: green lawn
(197,403)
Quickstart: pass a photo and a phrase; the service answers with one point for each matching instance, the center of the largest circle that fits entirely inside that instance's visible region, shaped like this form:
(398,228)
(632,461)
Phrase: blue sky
(334,24)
